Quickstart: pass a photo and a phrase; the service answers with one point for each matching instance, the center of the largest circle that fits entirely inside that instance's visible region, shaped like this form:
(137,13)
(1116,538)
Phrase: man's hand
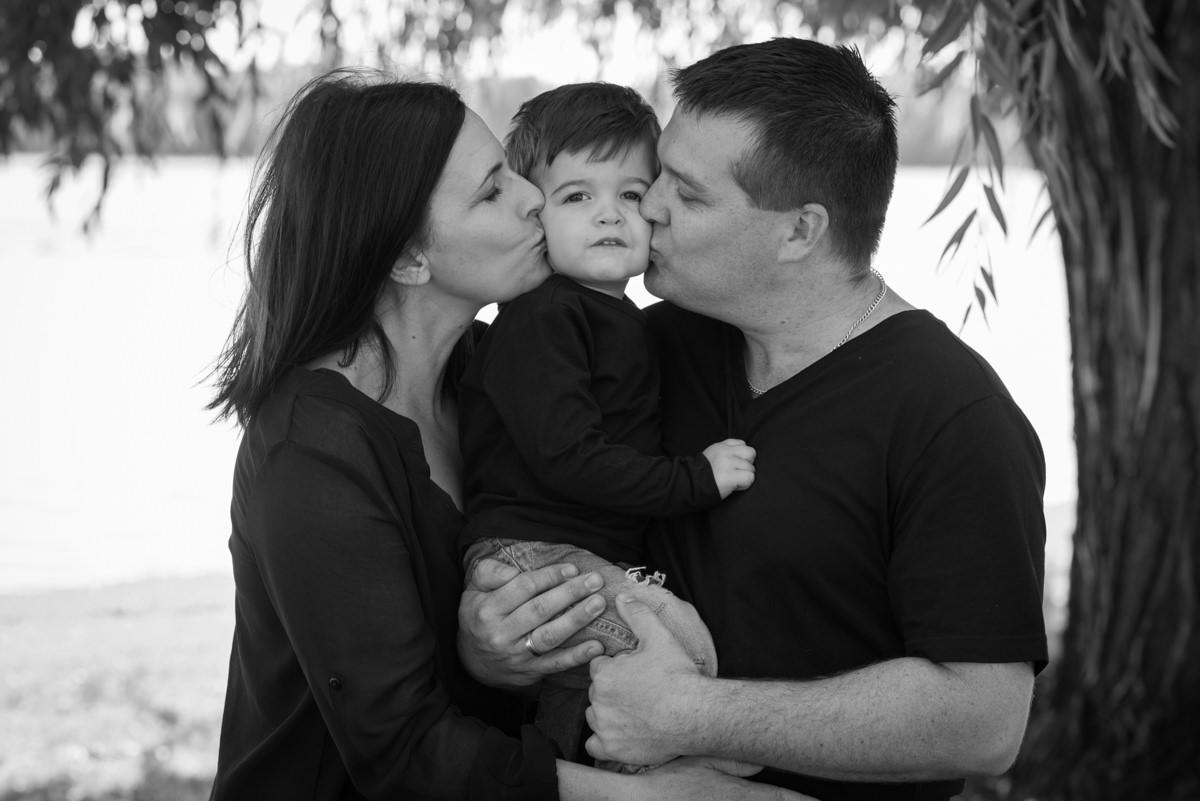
(641,699)
(732,462)
(502,608)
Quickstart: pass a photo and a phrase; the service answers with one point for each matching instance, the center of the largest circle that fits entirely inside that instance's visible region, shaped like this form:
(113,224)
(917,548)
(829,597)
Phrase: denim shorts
(680,617)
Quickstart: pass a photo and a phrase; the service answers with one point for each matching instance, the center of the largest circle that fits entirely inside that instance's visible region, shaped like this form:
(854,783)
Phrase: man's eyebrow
(683,177)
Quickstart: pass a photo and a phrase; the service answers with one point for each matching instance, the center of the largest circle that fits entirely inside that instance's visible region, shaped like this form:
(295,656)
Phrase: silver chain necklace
(756,392)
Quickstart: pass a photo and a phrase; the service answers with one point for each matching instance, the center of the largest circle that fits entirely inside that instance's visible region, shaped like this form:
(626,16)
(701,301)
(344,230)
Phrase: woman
(384,218)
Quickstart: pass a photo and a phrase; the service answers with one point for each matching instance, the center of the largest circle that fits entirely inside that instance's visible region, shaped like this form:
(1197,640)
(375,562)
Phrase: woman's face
(485,243)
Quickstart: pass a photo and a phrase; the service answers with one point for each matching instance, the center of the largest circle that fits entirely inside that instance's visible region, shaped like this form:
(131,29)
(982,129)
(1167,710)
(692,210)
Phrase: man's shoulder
(936,356)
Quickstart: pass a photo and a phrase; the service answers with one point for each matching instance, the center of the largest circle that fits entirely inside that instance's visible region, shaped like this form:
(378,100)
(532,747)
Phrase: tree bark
(1118,717)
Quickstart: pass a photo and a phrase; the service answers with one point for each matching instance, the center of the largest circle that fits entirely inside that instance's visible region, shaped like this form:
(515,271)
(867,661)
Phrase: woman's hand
(501,608)
(702,778)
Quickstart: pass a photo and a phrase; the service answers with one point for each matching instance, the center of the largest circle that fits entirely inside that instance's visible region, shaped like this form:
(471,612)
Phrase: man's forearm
(902,720)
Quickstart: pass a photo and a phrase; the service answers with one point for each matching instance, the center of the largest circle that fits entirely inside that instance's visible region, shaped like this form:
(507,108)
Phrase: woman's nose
(531,197)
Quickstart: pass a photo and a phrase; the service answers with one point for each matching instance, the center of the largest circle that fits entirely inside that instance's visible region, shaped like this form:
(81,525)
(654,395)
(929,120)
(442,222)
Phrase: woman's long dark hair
(341,189)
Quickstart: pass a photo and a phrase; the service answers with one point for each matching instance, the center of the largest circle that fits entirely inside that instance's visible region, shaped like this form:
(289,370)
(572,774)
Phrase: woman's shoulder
(320,410)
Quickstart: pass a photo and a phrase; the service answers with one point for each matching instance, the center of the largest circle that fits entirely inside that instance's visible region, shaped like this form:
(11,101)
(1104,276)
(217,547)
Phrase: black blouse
(344,680)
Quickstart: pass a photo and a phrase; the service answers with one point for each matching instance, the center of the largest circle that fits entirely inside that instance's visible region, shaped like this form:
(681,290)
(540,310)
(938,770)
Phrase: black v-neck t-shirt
(896,510)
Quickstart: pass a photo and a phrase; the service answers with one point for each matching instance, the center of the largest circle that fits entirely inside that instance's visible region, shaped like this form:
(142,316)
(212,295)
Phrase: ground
(113,693)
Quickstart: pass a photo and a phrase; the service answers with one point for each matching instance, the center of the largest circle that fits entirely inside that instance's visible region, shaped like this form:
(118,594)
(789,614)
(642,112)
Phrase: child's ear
(806,227)
(411,269)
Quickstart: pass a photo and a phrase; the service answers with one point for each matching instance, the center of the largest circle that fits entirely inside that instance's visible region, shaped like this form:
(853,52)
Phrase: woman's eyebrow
(490,174)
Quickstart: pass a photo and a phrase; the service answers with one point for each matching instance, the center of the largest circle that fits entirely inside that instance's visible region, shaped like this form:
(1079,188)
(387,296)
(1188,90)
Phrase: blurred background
(130,130)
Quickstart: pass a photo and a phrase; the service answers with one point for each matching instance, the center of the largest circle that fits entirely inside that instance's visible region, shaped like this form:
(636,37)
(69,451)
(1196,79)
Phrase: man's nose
(652,207)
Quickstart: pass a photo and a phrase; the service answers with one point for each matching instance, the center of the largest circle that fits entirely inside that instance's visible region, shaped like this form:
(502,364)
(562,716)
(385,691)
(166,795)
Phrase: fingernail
(625,598)
(594,581)
(595,605)
(569,571)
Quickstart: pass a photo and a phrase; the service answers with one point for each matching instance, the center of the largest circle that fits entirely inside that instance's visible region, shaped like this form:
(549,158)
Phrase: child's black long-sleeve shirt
(559,425)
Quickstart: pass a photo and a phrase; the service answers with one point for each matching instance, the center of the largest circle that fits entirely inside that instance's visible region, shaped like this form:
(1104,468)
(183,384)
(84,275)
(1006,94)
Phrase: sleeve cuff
(507,770)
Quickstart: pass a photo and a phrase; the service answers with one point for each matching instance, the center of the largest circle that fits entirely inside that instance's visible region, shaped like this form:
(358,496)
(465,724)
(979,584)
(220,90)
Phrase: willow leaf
(999,9)
(981,299)
(976,115)
(957,237)
(951,193)
(1041,221)
(995,205)
(989,279)
(942,74)
(957,17)
(993,146)
(1046,78)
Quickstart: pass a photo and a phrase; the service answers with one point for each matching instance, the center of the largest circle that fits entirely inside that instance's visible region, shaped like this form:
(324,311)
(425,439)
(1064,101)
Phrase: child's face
(594,233)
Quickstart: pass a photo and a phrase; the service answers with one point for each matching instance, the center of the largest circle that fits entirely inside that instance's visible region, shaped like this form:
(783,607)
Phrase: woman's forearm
(579,783)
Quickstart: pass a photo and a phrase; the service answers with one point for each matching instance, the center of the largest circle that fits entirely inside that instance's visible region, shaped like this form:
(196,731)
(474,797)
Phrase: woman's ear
(808,226)
(411,269)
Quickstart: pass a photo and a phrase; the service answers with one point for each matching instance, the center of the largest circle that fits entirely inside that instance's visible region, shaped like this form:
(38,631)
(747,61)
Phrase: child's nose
(610,216)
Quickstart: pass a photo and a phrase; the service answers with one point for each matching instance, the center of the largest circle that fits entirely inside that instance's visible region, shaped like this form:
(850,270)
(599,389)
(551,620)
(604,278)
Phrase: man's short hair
(602,119)
(825,132)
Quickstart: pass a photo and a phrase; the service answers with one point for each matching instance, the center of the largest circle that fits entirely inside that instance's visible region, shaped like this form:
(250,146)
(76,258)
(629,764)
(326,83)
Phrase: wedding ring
(529,645)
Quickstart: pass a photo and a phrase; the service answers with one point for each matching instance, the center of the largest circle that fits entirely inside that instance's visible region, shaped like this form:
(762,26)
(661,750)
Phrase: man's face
(709,243)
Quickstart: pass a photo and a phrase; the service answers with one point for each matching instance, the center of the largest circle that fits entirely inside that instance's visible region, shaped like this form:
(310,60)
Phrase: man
(875,597)
(885,570)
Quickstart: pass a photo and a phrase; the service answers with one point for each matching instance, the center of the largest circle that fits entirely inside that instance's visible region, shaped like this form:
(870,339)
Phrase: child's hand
(732,464)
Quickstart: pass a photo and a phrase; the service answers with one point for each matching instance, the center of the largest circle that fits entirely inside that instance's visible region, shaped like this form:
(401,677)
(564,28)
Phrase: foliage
(95,77)
(91,74)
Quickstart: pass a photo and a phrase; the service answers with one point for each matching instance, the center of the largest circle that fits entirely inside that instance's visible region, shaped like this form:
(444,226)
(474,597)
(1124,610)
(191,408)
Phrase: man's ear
(411,269)
(807,227)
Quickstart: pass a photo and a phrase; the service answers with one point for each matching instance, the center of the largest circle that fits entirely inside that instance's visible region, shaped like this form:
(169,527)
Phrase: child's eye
(574,197)
(636,197)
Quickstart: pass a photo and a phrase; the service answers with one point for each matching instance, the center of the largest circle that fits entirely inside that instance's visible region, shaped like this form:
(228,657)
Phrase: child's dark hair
(602,118)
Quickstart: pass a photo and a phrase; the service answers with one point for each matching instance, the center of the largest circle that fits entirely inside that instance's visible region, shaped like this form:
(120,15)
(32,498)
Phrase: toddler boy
(558,409)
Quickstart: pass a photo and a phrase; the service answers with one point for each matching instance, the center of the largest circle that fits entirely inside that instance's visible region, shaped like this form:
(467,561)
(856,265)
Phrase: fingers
(523,588)
(743,477)
(642,621)
(547,626)
(559,660)
(738,449)
(490,574)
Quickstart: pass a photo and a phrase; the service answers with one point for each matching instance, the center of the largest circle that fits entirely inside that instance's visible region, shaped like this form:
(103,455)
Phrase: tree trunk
(1118,716)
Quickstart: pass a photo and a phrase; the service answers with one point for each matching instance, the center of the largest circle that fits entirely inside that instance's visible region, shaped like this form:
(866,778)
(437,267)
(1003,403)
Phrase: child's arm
(732,462)
(538,378)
